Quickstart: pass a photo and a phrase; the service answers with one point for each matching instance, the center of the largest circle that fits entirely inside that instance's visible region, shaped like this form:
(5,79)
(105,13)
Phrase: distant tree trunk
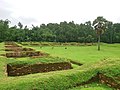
(111,36)
(98,42)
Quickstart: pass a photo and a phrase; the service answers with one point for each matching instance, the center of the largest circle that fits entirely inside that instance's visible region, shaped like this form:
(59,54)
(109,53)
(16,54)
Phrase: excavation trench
(19,70)
(76,63)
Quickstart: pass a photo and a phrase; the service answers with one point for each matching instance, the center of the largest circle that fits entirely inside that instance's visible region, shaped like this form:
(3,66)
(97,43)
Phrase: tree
(20,25)
(110,32)
(4,26)
(63,32)
(100,25)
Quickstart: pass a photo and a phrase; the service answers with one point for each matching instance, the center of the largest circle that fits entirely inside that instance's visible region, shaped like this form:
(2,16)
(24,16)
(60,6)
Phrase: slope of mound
(24,66)
(62,80)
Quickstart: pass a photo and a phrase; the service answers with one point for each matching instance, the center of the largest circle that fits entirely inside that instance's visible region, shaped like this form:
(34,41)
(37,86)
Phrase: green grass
(93,86)
(83,54)
(30,61)
(2,67)
(2,61)
(2,48)
(62,80)
(74,65)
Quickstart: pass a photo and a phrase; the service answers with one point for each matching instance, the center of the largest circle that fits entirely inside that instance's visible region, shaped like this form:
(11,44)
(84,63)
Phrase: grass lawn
(30,61)
(62,80)
(83,54)
(65,79)
(2,48)
(93,86)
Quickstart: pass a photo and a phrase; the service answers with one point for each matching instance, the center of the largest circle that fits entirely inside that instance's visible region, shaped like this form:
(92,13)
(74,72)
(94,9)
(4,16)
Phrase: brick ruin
(14,50)
(18,70)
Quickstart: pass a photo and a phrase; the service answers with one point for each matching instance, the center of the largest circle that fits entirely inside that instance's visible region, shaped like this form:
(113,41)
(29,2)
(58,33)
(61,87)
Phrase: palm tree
(20,25)
(100,25)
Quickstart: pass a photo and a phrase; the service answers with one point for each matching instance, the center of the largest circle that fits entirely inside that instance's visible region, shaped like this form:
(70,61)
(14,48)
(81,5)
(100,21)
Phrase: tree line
(62,32)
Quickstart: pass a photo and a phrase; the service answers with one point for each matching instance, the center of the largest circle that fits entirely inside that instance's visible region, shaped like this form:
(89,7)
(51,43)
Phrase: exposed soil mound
(18,70)
(25,54)
(13,49)
(109,81)
(28,49)
(19,51)
(12,46)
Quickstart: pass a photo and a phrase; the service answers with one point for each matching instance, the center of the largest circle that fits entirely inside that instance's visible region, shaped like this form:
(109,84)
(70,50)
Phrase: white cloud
(46,11)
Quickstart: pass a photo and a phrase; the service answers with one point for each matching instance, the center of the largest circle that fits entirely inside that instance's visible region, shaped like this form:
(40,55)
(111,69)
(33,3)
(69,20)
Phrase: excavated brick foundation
(109,81)
(25,54)
(19,70)
(18,51)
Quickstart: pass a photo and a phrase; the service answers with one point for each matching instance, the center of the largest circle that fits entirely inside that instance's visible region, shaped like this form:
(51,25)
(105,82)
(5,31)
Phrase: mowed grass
(2,67)
(92,86)
(2,48)
(63,80)
(2,61)
(83,54)
(30,61)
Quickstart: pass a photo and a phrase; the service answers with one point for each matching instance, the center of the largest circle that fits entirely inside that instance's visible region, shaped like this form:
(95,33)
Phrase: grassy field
(93,86)
(30,61)
(93,62)
(83,54)
(2,48)
(2,62)
(61,80)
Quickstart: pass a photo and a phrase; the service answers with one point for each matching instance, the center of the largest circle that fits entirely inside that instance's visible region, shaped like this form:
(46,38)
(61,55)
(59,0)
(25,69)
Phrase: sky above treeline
(36,12)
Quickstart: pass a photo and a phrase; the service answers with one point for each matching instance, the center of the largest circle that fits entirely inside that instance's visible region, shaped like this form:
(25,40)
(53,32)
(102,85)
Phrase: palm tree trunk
(98,42)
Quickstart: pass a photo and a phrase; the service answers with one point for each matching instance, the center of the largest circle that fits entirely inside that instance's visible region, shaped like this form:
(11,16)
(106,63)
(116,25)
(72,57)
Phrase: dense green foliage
(100,25)
(63,32)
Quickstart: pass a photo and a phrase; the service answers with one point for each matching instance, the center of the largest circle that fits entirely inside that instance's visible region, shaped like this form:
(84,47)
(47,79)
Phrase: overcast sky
(54,11)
